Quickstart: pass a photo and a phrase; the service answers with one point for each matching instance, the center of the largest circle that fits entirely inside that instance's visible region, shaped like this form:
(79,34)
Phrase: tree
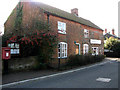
(116,47)
(110,42)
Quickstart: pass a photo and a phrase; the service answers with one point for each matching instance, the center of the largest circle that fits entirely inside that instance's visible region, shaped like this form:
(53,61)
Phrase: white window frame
(96,52)
(85,48)
(61,27)
(62,50)
(86,33)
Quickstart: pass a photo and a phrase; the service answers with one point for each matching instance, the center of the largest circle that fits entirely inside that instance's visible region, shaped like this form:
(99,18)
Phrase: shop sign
(95,41)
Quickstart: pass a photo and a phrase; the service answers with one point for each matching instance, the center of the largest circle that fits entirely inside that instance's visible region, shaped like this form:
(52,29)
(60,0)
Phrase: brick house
(76,35)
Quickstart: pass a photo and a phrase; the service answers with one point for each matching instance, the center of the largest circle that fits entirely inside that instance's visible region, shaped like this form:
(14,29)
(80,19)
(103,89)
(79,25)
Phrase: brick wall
(94,34)
(30,14)
(75,32)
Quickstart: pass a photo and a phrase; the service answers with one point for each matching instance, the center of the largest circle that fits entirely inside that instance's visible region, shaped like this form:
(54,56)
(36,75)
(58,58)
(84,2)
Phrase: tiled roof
(66,15)
(108,35)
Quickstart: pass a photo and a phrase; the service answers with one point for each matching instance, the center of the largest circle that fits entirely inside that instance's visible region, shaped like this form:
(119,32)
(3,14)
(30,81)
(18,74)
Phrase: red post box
(6,53)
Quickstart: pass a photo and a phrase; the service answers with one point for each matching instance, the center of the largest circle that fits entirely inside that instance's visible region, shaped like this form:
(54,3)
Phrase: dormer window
(61,27)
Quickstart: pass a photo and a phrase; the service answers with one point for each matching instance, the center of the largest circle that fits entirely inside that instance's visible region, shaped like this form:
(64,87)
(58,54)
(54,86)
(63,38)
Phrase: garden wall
(31,63)
(22,63)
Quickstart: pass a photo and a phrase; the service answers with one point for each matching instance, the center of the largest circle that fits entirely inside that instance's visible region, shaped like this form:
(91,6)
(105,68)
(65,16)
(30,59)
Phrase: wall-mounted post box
(6,53)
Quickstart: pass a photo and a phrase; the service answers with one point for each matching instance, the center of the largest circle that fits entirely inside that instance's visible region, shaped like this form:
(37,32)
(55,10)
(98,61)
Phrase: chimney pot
(74,11)
(113,31)
(105,30)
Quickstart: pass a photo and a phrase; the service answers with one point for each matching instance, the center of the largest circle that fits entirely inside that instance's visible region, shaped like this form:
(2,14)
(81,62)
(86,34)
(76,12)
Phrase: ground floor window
(94,50)
(62,50)
(85,48)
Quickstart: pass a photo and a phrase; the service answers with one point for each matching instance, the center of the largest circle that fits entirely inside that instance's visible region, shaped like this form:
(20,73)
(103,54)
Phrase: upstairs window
(62,50)
(85,48)
(86,33)
(61,27)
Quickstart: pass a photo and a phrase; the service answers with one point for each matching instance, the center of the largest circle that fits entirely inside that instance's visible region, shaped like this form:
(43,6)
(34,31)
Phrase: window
(94,50)
(86,33)
(62,50)
(14,48)
(61,27)
(85,48)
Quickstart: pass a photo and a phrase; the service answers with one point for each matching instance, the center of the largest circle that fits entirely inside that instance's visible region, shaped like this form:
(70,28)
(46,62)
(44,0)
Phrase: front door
(77,50)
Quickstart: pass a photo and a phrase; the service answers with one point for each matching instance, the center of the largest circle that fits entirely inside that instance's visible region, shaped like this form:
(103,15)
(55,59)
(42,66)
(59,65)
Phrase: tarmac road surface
(99,76)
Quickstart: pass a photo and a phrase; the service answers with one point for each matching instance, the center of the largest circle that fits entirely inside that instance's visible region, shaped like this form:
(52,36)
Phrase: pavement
(113,59)
(24,75)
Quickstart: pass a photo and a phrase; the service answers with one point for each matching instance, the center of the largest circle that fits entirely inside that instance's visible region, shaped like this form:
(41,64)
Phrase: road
(97,76)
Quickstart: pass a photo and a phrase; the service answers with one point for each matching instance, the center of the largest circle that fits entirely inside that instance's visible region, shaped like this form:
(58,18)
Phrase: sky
(103,13)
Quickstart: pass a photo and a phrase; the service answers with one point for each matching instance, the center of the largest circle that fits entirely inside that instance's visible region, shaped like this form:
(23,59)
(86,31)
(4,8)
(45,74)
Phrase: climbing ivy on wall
(17,29)
(18,20)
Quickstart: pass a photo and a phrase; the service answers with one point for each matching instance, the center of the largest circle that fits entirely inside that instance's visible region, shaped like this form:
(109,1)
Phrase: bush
(76,60)
(39,64)
(112,54)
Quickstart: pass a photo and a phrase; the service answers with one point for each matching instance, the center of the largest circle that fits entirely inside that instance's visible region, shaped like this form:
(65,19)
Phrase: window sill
(61,32)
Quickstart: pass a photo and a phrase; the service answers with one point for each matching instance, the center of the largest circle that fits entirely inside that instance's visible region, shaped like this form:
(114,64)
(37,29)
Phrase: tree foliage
(37,43)
(110,42)
(114,45)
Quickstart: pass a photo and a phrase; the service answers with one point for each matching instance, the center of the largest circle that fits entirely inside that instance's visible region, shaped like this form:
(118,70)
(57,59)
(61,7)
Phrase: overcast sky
(103,13)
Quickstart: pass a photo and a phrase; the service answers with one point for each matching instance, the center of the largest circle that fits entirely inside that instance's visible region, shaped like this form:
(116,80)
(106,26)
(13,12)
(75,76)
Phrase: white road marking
(103,79)
(70,71)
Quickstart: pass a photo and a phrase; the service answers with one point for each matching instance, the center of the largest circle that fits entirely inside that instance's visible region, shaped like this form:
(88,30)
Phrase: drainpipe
(78,46)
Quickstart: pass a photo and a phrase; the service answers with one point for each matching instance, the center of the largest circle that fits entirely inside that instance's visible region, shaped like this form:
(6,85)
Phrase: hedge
(76,60)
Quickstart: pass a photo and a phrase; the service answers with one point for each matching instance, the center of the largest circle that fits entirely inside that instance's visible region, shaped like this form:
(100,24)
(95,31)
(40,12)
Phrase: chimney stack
(74,11)
(105,30)
(113,31)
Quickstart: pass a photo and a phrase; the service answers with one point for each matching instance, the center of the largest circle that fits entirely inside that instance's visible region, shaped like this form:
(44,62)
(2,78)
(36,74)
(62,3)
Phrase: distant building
(108,35)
